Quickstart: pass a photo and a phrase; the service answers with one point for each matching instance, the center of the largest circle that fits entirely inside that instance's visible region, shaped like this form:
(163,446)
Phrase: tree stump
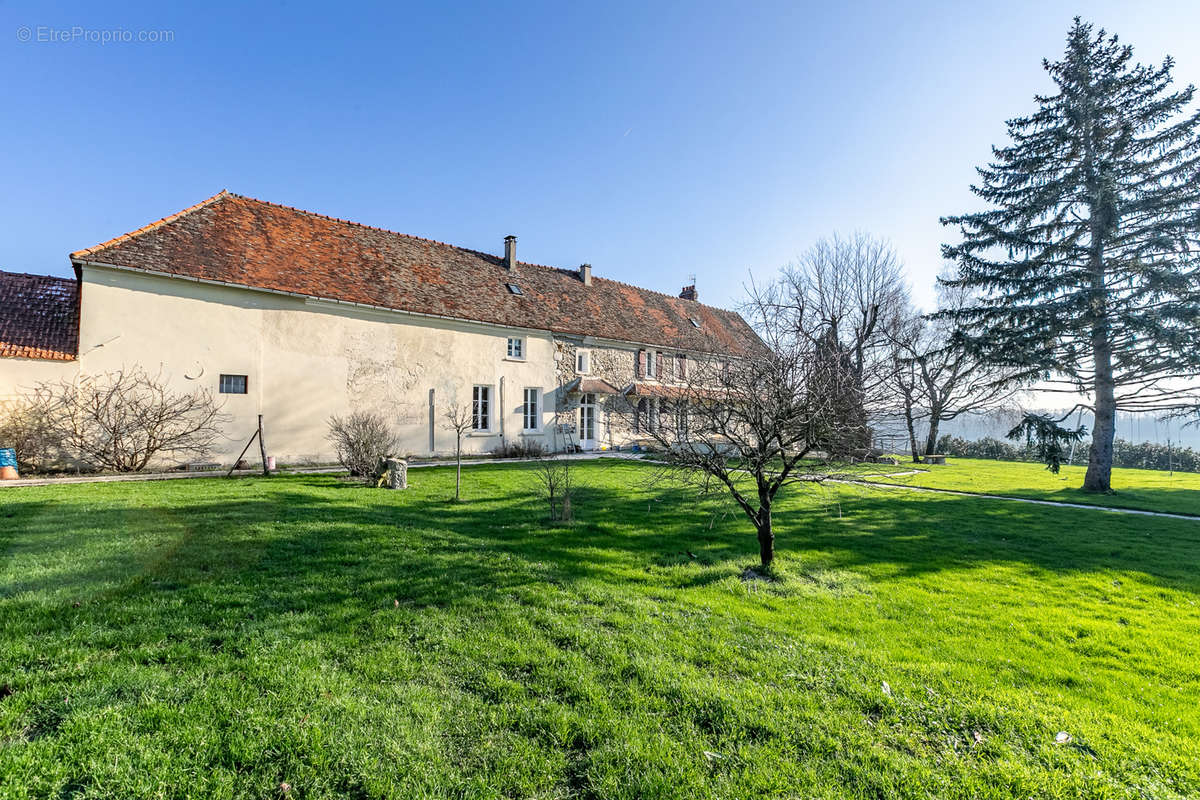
(397,473)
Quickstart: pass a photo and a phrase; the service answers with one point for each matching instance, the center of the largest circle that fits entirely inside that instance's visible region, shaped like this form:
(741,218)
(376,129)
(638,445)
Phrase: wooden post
(253,436)
(262,447)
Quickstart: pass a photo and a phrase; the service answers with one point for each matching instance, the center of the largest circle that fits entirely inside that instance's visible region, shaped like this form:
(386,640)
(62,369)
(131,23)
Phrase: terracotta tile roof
(665,391)
(248,242)
(39,317)
(591,386)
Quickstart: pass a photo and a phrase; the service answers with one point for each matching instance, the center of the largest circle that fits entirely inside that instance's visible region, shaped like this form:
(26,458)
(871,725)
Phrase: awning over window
(591,386)
(673,392)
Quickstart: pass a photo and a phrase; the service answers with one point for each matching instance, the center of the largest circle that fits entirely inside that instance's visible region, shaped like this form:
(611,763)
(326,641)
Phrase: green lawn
(1144,489)
(210,638)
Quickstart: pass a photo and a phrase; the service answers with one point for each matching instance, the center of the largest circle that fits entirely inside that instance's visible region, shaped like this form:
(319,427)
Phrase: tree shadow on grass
(333,550)
(917,533)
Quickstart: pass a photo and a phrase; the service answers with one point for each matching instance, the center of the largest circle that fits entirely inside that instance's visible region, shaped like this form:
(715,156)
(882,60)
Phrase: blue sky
(654,140)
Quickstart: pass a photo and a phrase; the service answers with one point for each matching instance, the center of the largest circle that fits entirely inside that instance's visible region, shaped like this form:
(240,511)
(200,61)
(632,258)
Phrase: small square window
(516,348)
(233,384)
(513,288)
(583,362)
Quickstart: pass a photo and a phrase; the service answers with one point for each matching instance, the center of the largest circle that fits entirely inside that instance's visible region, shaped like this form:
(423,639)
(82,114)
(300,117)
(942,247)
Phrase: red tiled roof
(591,386)
(39,317)
(668,392)
(243,241)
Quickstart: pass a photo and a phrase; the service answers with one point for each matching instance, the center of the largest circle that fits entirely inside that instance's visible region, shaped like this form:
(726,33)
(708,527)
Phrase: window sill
(514,358)
(533,433)
(480,433)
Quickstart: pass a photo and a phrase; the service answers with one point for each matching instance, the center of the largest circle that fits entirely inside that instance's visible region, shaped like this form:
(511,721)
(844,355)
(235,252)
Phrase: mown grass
(1143,489)
(210,638)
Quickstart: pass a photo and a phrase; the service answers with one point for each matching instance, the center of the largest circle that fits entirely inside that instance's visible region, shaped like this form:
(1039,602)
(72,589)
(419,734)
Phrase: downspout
(432,426)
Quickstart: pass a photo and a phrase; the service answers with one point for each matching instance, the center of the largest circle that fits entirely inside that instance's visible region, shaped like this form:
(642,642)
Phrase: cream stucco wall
(305,360)
(308,359)
(20,374)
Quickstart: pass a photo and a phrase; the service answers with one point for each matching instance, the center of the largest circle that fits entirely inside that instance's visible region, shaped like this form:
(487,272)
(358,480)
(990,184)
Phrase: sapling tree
(553,477)
(461,419)
(1087,260)
(746,423)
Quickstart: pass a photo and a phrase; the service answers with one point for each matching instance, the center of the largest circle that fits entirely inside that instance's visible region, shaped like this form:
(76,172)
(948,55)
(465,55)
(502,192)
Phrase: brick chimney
(510,251)
(688,292)
(585,274)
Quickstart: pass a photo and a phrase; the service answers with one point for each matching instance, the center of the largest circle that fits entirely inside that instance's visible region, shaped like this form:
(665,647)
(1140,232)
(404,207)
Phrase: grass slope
(210,638)
(1143,489)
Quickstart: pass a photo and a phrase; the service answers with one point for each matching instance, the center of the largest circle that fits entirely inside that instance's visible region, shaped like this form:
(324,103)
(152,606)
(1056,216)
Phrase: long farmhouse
(298,316)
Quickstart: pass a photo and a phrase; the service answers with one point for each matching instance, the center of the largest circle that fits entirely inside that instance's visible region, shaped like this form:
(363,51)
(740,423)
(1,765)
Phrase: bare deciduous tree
(122,420)
(946,378)
(27,427)
(907,334)
(553,475)
(461,418)
(360,439)
(746,424)
(852,287)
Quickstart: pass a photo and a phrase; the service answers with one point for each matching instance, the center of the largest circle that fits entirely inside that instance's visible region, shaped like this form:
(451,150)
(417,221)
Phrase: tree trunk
(766,537)
(1099,471)
(912,433)
(932,439)
(458,467)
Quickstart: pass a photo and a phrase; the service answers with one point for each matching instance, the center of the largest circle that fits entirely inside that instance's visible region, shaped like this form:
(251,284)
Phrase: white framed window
(531,411)
(481,408)
(583,361)
(651,364)
(516,347)
(233,384)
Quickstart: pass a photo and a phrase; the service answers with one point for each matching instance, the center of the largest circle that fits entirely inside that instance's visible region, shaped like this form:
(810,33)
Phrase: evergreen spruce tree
(1089,257)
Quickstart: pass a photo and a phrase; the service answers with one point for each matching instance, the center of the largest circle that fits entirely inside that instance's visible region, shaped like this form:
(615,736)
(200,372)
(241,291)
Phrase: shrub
(1152,455)
(122,420)
(361,439)
(987,447)
(1134,455)
(27,427)
(522,448)
(553,481)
